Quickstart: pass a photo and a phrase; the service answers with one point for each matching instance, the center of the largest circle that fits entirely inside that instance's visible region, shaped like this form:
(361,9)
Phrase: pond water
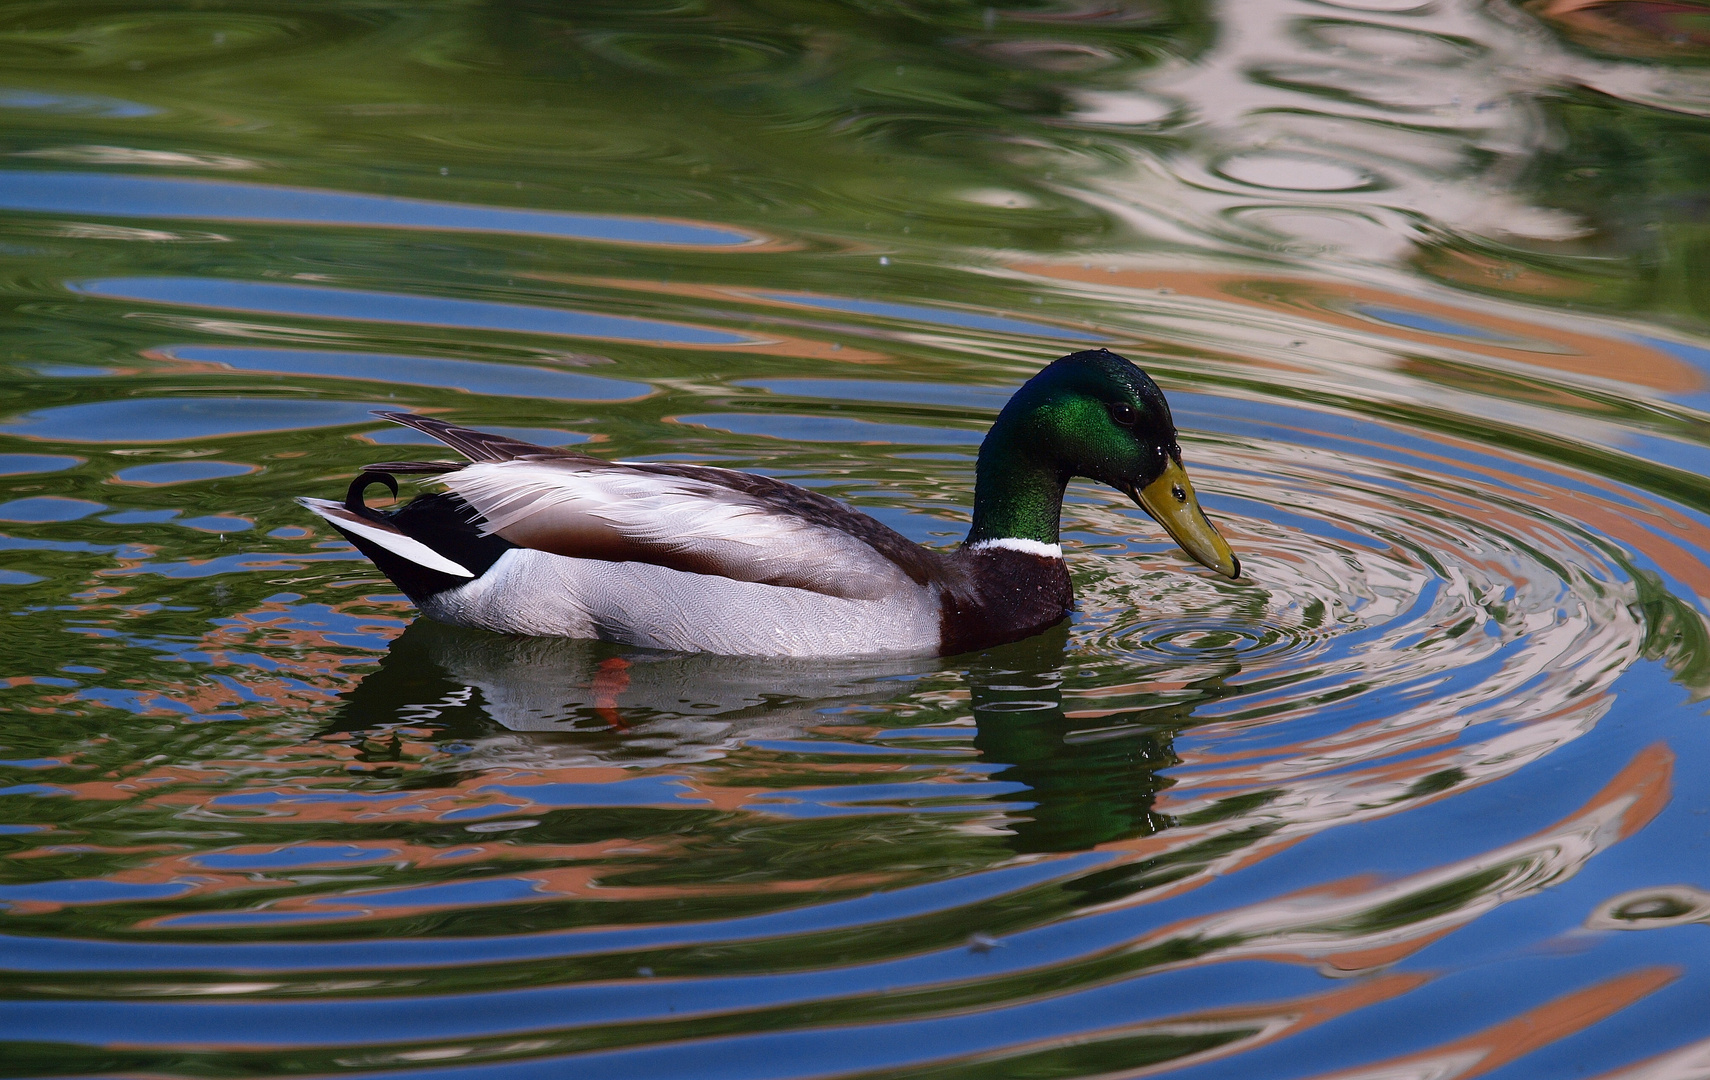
(1426,795)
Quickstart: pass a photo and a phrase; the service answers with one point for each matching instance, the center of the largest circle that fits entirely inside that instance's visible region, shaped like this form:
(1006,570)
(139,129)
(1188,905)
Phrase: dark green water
(1428,796)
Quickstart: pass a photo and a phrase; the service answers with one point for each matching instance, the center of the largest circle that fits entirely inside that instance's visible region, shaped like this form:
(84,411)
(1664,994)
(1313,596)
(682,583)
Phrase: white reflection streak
(1690,1062)
(1442,1067)
(126,155)
(240,329)
(1316,924)
(84,230)
(1355,133)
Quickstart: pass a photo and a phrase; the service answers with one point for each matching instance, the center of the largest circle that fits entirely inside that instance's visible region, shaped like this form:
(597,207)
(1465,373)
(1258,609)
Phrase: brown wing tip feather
(414,466)
(475,445)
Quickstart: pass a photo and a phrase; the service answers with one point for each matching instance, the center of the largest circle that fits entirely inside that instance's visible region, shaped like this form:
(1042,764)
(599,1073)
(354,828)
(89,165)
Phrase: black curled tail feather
(353,500)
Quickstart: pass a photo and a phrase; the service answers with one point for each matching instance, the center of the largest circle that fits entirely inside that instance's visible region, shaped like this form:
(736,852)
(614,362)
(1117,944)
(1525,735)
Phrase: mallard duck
(553,542)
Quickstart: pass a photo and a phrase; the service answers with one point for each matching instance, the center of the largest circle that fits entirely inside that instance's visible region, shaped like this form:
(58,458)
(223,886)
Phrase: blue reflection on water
(218,523)
(140,517)
(175,419)
(1430,324)
(148,702)
(325,303)
(240,563)
(830,429)
(296,855)
(641,791)
(48,508)
(91,891)
(75,104)
(180,472)
(985,398)
(20,464)
(40,790)
(1696,355)
(939,316)
(113,195)
(766,1054)
(475,376)
(26,953)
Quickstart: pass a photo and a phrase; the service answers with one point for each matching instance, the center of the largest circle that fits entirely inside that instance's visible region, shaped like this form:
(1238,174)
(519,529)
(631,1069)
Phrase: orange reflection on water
(1661,29)
(1331,302)
(305,669)
(1331,925)
(1533,1029)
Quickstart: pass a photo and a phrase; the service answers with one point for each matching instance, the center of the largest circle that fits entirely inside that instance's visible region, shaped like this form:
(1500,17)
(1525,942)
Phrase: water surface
(1424,795)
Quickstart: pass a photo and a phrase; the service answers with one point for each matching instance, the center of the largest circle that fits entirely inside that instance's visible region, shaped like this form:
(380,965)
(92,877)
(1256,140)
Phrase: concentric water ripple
(1430,618)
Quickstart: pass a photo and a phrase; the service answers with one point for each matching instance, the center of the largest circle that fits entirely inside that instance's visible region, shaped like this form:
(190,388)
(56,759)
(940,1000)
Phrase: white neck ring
(1016,543)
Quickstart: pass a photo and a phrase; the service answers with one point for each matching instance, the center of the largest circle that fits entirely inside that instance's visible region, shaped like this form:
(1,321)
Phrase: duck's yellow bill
(1171,502)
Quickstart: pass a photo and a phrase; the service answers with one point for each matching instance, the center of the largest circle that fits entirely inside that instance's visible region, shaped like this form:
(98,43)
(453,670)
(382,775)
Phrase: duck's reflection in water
(1072,782)
(578,702)
(1093,777)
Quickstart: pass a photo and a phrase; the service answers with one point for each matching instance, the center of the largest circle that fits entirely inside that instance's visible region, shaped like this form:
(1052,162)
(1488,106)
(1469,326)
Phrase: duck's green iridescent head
(1091,414)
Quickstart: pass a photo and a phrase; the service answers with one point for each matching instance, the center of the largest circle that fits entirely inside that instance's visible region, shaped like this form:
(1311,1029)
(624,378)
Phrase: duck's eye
(1176,490)
(1123,413)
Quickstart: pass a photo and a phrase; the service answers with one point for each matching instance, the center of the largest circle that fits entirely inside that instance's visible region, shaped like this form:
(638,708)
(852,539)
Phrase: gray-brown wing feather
(687,517)
(920,564)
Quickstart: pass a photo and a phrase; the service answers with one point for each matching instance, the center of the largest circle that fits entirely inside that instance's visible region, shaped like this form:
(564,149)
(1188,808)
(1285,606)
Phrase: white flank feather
(405,547)
(538,593)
